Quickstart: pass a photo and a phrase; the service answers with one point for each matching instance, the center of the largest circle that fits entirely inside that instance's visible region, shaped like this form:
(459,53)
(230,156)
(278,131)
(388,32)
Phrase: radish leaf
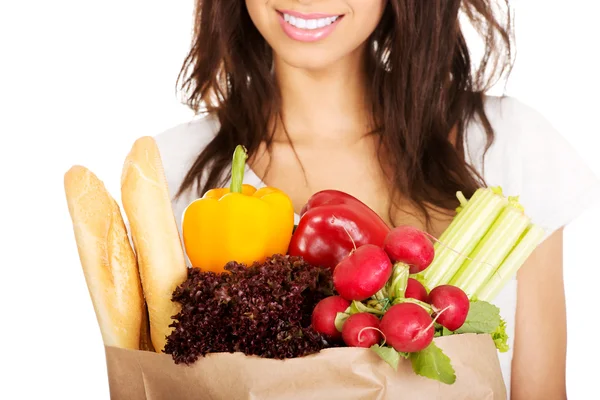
(483,317)
(389,355)
(432,363)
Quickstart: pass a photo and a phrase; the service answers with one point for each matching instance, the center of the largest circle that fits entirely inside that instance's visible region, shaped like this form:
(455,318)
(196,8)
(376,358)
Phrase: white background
(80,81)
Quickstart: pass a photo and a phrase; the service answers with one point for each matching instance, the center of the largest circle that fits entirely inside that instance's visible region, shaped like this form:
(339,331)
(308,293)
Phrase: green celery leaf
(483,317)
(497,190)
(389,355)
(432,363)
(501,338)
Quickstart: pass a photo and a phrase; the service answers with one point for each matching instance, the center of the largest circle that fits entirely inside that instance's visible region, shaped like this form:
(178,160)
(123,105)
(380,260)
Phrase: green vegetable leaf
(340,318)
(514,201)
(483,317)
(497,190)
(389,355)
(432,363)
(501,338)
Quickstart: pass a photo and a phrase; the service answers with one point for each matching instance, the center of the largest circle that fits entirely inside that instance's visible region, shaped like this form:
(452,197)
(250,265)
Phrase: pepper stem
(238,167)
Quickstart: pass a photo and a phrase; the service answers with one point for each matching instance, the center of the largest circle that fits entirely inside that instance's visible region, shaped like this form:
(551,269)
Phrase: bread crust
(160,256)
(107,258)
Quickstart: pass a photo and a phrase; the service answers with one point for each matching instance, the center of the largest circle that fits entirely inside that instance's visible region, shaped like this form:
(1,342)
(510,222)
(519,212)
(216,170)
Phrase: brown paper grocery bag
(332,374)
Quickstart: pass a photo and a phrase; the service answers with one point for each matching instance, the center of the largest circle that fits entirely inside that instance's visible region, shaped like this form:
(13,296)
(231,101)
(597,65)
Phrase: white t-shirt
(529,158)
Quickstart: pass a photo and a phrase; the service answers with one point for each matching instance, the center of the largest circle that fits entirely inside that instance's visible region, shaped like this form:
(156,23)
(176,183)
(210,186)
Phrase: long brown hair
(424,85)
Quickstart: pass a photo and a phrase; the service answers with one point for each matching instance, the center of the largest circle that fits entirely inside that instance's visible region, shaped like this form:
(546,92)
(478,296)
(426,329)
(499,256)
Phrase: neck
(323,105)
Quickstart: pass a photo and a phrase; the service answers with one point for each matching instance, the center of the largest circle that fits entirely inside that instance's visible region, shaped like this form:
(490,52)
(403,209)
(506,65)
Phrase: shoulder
(510,110)
(521,135)
(531,159)
(513,122)
(180,145)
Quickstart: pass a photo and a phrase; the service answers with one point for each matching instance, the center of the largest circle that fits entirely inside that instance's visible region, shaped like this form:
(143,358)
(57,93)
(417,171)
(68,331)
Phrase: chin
(309,59)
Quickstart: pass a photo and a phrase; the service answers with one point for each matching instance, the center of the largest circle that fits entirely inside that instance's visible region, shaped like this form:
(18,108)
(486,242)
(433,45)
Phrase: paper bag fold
(332,374)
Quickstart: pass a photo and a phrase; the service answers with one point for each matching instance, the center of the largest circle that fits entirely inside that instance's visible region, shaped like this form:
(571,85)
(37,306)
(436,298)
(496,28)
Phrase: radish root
(422,332)
(371,328)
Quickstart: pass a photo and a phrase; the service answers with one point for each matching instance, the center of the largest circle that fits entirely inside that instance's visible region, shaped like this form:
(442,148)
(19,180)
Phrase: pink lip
(307,35)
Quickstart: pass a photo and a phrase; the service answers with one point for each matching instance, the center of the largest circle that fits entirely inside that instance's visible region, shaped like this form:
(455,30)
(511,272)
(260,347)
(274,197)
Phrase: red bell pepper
(331,224)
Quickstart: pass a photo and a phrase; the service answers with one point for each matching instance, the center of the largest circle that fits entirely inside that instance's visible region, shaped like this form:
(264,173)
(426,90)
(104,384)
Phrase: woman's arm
(539,360)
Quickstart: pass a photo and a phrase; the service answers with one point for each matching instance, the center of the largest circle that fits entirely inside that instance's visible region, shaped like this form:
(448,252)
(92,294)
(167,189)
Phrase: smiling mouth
(308,28)
(309,23)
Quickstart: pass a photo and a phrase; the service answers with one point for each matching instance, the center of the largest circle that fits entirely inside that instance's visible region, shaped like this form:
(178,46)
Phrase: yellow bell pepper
(239,223)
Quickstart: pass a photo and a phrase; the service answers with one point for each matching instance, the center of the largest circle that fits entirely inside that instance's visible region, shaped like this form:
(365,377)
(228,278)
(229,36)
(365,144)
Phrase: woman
(377,98)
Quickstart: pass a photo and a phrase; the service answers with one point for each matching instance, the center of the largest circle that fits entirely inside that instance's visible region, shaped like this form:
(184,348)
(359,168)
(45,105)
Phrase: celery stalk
(461,219)
(516,258)
(491,250)
(465,210)
(461,238)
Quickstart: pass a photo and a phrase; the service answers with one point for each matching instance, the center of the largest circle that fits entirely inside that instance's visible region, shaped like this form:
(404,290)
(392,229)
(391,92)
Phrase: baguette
(107,259)
(154,233)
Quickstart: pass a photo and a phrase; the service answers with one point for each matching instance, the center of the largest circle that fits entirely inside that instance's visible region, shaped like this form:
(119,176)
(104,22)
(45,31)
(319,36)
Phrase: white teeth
(308,23)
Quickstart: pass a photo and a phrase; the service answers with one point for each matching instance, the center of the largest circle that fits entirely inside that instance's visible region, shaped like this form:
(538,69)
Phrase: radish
(362,273)
(407,327)
(361,330)
(411,246)
(324,313)
(451,305)
(415,290)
